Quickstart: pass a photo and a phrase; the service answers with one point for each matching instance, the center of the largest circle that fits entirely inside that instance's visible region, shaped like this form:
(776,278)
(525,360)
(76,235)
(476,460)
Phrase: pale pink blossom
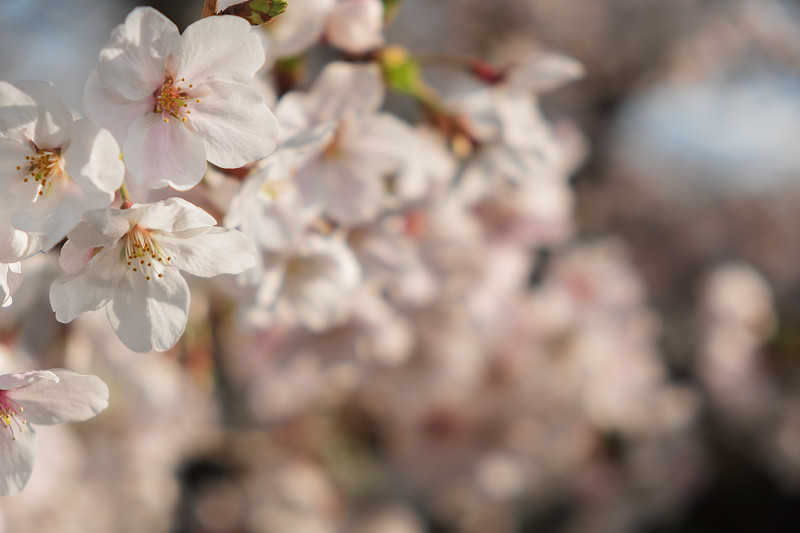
(52,168)
(128,261)
(368,150)
(43,397)
(174,101)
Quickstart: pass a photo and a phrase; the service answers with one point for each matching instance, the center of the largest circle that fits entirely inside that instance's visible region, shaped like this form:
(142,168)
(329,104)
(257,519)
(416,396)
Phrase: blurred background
(691,110)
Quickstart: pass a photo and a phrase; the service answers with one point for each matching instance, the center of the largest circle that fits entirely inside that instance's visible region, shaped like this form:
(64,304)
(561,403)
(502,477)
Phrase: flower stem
(209,8)
(125,195)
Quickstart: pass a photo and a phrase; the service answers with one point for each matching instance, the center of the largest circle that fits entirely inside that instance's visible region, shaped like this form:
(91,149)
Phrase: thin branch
(209,8)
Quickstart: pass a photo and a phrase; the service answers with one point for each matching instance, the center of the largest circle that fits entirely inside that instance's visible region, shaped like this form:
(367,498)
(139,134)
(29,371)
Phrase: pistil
(172,100)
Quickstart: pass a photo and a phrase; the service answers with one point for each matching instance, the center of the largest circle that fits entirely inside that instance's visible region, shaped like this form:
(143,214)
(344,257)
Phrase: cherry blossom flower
(43,397)
(52,169)
(10,280)
(310,284)
(174,101)
(127,260)
(368,149)
(501,104)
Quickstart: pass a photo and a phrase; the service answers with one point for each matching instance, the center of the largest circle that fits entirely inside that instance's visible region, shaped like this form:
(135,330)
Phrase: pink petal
(133,60)
(236,125)
(218,49)
(160,154)
(107,108)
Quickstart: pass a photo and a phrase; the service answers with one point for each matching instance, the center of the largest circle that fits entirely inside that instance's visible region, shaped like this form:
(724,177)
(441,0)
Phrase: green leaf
(256,11)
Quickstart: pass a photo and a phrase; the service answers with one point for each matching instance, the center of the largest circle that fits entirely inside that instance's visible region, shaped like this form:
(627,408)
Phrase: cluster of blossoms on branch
(372,256)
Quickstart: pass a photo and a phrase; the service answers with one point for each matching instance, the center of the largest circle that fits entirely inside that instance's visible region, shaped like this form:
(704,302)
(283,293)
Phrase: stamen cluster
(144,254)
(11,415)
(43,167)
(172,100)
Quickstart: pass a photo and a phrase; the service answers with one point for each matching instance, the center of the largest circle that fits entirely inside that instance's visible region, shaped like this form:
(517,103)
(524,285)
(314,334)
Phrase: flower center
(143,254)
(43,168)
(11,415)
(172,100)
(274,188)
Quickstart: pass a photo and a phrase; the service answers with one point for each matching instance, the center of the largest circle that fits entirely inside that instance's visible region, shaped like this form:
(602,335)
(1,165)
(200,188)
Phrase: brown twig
(209,8)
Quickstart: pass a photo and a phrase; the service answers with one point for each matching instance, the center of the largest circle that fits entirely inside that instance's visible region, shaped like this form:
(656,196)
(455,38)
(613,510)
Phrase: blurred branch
(209,8)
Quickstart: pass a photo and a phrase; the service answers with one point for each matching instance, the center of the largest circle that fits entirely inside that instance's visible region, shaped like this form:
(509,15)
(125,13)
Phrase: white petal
(381,143)
(150,315)
(160,154)
(17,458)
(13,150)
(74,398)
(133,60)
(10,280)
(236,125)
(299,27)
(344,90)
(270,285)
(101,227)
(73,258)
(211,252)
(90,288)
(55,214)
(171,215)
(348,194)
(545,72)
(218,49)
(18,110)
(356,26)
(54,119)
(293,115)
(106,107)
(13,242)
(22,379)
(92,159)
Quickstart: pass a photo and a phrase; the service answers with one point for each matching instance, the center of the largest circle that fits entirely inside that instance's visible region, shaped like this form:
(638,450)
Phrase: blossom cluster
(416,277)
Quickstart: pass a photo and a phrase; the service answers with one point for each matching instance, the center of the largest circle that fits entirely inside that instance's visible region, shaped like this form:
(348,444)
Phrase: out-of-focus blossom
(355,26)
(739,318)
(499,104)
(310,284)
(53,168)
(43,397)
(367,148)
(127,260)
(268,207)
(174,101)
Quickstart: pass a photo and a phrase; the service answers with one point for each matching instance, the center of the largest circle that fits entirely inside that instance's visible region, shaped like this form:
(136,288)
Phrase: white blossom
(52,169)
(42,397)
(127,260)
(368,149)
(174,101)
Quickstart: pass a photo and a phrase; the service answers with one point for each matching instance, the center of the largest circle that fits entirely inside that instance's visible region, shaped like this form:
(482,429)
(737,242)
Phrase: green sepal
(256,11)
